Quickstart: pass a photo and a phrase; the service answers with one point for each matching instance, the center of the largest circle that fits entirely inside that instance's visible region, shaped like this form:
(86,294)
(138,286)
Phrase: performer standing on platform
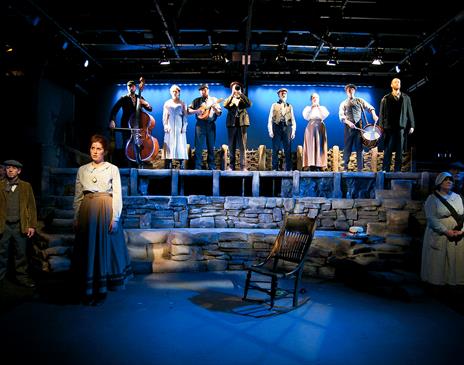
(18,222)
(237,123)
(101,259)
(175,128)
(443,246)
(395,116)
(281,126)
(350,114)
(206,110)
(128,103)
(315,137)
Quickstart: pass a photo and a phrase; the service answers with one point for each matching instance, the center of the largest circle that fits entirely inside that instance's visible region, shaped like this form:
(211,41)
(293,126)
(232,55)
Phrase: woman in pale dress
(443,246)
(315,137)
(101,259)
(175,128)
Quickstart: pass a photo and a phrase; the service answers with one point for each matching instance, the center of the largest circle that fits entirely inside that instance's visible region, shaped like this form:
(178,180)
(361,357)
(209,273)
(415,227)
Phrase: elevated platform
(173,182)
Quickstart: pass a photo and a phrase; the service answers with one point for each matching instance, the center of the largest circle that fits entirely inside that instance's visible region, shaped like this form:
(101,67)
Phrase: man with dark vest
(394,117)
(18,221)
(281,126)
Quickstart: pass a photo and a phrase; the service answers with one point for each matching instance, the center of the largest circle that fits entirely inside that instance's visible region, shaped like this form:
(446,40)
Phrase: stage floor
(199,318)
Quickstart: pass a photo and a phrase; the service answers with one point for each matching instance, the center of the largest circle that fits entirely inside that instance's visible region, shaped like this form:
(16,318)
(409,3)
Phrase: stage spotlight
(397,69)
(65,45)
(378,57)
(333,57)
(164,60)
(86,63)
(281,53)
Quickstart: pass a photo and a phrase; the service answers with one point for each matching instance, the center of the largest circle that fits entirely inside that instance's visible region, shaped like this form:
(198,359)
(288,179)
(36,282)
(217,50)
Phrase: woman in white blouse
(175,128)
(101,257)
(315,137)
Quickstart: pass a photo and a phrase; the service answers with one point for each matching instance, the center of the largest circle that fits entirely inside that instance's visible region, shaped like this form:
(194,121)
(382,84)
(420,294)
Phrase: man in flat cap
(128,103)
(237,123)
(350,113)
(206,109)
(281,126)
(395,117)
(18,221)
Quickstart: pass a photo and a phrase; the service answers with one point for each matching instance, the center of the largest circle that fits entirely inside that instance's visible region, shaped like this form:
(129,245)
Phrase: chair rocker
(285,261)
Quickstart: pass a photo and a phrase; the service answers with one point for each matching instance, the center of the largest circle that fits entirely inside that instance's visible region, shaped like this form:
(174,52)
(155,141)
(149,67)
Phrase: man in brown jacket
(18,221)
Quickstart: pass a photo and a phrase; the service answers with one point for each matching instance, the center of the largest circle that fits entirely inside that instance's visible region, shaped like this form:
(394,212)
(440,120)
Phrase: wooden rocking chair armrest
(290,273)
(262,263)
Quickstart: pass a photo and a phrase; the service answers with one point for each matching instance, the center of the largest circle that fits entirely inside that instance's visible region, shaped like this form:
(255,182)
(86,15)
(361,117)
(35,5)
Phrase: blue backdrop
(262,97)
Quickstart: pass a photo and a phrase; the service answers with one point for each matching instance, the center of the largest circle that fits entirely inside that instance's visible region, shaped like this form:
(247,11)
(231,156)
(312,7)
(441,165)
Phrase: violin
(141,146)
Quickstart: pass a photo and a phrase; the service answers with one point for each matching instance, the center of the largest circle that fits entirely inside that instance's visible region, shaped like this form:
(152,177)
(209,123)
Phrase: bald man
(395,116)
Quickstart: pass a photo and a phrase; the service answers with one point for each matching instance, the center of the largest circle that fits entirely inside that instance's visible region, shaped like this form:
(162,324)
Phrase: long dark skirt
(101,258)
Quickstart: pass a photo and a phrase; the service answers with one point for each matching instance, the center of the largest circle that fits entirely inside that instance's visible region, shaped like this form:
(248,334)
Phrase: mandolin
(205,108)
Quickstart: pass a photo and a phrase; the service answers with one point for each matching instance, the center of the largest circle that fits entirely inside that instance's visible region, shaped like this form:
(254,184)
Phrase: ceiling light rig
(217,54)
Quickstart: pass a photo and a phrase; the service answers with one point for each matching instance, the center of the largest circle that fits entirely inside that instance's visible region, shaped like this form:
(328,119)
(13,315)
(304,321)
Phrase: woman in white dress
(175,128)
(315,137)
(443,246)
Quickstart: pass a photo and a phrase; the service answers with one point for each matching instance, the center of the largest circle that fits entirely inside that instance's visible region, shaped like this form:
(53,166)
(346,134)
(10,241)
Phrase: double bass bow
(141,146)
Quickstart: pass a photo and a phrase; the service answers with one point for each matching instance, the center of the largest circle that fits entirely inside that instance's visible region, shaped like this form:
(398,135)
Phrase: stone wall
(202,232)
(199,233)
(392,214)
(199,249)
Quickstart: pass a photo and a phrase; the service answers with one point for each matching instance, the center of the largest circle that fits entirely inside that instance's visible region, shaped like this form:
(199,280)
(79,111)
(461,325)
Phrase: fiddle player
(350,114)
(394,117)
(128,103)
(206,110)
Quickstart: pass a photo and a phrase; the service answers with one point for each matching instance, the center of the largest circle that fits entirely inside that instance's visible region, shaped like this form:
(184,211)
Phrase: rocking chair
(286,260)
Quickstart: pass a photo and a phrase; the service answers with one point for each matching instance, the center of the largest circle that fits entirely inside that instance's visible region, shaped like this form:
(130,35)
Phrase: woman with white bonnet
(443,246)
(315,137)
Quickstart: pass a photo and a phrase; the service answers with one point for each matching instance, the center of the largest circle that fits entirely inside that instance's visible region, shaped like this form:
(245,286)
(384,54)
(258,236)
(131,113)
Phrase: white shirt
(104,178)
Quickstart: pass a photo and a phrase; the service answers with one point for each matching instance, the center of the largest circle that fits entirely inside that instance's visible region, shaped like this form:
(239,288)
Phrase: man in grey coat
(395,116)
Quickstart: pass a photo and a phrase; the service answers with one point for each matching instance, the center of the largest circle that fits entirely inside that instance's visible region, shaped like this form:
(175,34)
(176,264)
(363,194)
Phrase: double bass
(141,146)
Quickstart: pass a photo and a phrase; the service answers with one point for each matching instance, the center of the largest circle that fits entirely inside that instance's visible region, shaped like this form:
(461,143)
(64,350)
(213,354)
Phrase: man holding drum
(350,113)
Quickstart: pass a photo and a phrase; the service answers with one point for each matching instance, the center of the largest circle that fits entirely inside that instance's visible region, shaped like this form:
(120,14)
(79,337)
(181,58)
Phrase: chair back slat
(295,239)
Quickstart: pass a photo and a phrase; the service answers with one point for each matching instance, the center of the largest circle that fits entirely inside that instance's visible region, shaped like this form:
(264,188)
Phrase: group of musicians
(395,120)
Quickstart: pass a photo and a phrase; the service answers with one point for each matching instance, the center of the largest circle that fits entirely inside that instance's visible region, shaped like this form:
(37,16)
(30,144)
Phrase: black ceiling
(124,39)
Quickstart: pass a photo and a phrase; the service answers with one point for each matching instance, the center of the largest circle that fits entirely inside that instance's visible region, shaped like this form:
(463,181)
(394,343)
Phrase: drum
(370,135)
